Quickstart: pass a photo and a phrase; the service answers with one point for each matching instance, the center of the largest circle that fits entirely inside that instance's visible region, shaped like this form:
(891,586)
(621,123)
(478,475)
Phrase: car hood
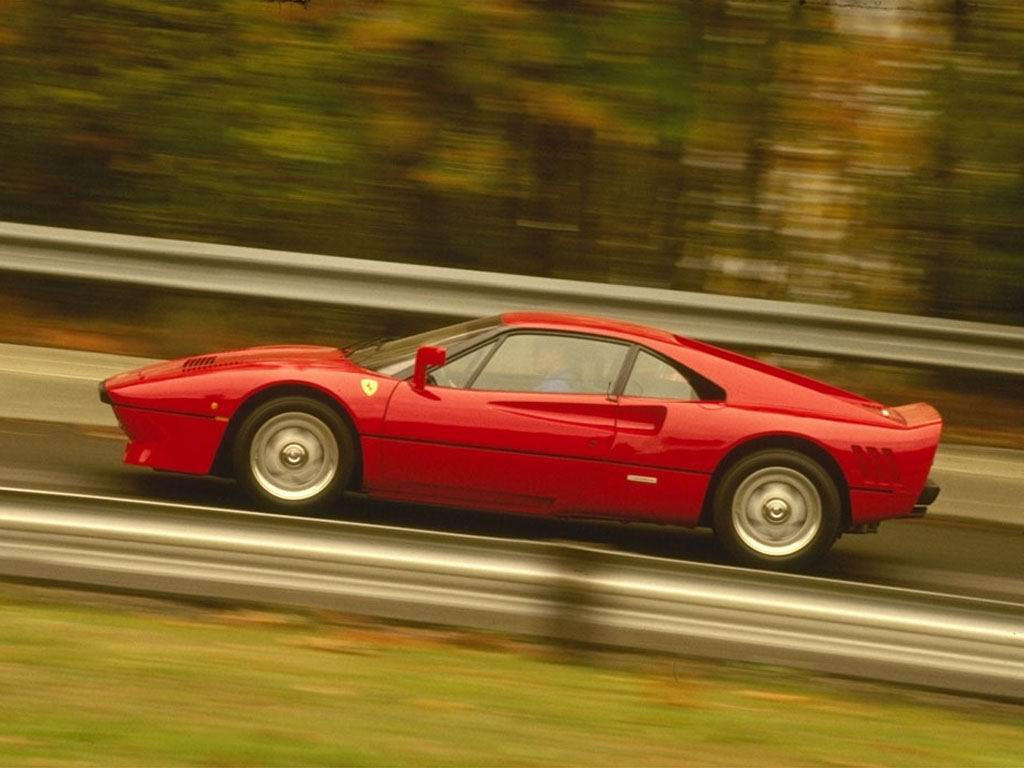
(278,355)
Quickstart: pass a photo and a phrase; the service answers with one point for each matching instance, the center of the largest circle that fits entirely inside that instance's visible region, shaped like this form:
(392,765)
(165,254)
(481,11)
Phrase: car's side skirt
(529,483)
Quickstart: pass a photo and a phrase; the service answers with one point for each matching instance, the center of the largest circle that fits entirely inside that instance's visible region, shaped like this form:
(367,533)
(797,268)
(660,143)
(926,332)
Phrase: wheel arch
(797,443)
(222,463)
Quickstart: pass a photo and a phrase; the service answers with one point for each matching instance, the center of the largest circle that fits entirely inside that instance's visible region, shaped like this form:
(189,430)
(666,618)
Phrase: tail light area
(916,415)
(904,466)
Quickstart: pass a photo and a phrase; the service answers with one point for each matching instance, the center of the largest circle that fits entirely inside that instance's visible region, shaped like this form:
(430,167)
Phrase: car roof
(586,323)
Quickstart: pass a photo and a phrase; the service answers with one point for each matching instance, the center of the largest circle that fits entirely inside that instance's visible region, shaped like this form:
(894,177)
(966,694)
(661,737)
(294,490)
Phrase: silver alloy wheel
(294,456)
(776,511)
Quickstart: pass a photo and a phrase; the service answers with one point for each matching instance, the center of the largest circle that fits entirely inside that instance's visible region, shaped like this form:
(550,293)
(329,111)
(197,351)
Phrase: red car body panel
(540,452)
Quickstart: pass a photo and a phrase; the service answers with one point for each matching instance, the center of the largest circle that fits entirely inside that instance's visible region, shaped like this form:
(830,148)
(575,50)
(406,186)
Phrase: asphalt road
(969,556)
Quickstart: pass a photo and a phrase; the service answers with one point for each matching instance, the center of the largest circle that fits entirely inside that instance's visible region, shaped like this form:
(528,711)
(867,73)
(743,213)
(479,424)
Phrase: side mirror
(426,357)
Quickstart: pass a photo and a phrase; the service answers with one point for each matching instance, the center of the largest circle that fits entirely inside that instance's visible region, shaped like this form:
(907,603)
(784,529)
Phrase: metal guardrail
(461,293)
(577,595)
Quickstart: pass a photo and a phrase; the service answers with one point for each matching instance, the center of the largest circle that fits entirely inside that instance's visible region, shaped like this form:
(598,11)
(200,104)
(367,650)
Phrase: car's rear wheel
(777,509)
(294,454)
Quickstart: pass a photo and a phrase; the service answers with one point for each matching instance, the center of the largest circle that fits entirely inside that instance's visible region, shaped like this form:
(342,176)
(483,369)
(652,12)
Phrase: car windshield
(394,356)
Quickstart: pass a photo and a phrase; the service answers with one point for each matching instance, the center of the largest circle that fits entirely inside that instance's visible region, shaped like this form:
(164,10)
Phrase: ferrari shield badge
(369,387)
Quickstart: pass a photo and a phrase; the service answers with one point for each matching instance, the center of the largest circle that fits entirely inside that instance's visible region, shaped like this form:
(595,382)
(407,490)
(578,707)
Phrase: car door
(522,423)
(662,428)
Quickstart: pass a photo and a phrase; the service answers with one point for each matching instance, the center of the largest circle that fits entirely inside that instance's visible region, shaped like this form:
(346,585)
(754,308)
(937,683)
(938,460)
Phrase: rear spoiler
(917,415)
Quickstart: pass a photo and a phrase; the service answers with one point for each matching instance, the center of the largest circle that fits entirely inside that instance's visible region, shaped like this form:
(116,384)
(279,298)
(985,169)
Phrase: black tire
(283,454)
(764,510)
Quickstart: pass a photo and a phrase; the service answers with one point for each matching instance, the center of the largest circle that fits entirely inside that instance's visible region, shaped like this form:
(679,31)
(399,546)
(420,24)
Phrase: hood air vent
(195,363)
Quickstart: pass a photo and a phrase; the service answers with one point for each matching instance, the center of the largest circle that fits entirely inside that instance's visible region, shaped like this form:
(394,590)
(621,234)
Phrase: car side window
(653,377)
(533,362)
(457,373)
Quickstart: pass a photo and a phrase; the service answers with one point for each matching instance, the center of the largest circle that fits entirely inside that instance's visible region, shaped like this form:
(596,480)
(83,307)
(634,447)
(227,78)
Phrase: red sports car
(543,414)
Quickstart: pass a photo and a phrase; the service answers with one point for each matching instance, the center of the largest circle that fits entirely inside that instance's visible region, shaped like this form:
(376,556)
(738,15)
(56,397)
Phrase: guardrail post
(571,600)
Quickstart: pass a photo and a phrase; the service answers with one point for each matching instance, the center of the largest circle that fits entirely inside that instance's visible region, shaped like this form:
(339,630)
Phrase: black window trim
(472,345)
(516,331)
(486,359)
(624,373)
(705,389)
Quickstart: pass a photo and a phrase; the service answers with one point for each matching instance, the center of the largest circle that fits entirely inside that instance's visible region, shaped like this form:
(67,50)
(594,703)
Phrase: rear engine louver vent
(877,467)
(193,363)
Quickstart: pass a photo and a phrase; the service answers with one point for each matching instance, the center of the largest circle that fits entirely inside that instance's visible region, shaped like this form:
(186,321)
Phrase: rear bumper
(870,507)
(929,493)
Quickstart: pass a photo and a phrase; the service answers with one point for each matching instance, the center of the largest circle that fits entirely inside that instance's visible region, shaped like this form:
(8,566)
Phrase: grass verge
(90,679)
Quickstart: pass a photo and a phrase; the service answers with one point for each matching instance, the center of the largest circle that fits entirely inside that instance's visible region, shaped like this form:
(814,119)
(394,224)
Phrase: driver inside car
(553,363)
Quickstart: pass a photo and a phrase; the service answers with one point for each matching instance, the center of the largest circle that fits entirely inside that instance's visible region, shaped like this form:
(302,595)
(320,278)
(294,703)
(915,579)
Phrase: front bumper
(174,442)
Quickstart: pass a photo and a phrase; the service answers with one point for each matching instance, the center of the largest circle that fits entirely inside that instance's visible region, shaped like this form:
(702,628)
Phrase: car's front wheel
(777,509)
(294,454)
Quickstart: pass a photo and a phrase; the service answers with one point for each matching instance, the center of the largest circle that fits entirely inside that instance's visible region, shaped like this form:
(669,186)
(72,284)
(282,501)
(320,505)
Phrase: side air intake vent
(877,467)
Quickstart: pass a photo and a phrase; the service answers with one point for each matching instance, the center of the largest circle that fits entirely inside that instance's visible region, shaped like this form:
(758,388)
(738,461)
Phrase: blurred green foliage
(816,151)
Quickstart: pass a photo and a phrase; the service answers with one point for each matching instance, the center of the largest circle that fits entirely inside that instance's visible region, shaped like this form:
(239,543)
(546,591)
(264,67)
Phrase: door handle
(641,419)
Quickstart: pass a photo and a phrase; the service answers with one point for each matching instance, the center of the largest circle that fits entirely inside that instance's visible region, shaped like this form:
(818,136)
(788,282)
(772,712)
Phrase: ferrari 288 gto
(543,414)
